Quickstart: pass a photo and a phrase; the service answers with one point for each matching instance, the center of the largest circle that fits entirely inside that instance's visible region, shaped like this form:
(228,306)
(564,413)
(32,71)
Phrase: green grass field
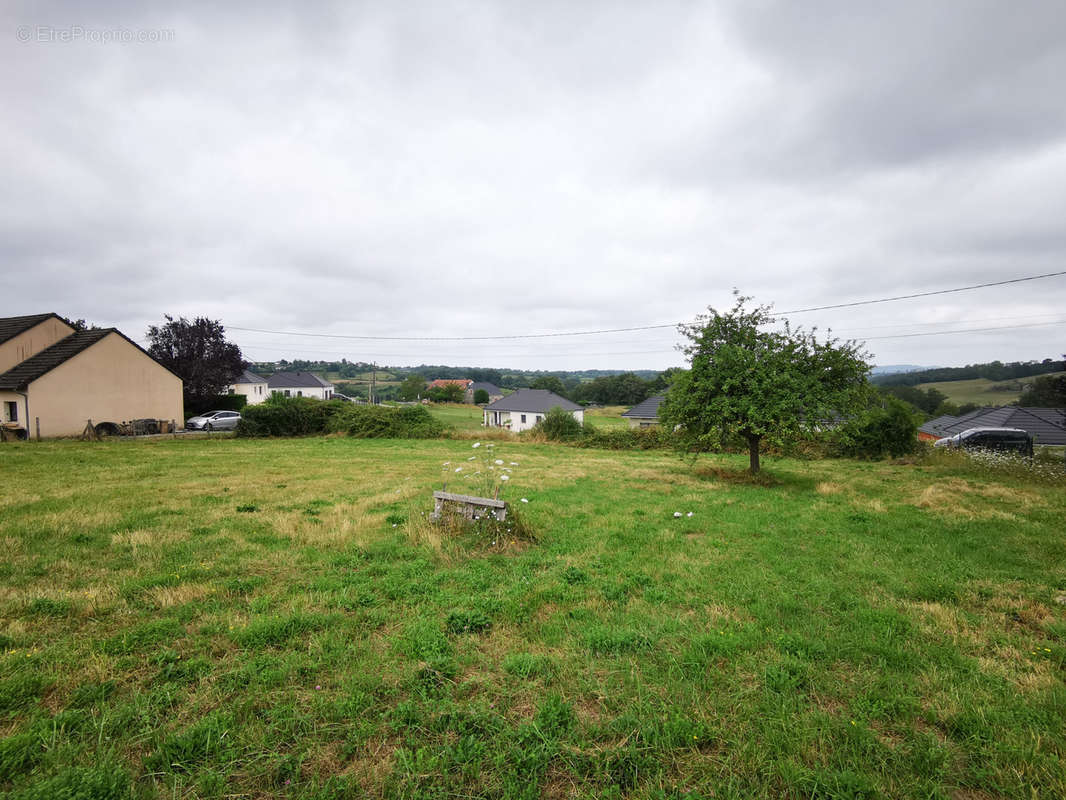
(231,618)
(981,391)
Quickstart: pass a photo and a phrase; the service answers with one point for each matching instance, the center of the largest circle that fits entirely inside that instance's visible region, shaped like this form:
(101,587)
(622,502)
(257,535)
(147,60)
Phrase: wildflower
(505,477)
(458,469)
(471,458)
(689,514)
(476,444)
(514,463)
(524,500)
(446,463)
(318,687)
(499,461)
(677,514)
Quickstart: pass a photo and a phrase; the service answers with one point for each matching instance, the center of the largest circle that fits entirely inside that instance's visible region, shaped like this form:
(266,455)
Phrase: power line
(579,353)
(964,330)
(925,294)
(635,327)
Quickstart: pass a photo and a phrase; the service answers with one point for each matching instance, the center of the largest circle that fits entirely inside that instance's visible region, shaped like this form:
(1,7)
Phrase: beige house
(22,337)
(95,374)
(253,387)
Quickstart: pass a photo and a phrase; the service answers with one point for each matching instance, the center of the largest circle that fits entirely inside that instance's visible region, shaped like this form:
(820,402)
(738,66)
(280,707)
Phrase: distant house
(494,392)
(444,383)
(66,377)
(524,408)
(252,386)
(646,413)
(300,384)
(1047,425)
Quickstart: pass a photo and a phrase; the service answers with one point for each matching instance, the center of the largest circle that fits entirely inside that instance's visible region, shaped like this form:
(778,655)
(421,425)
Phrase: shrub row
(384,422)
(305,416)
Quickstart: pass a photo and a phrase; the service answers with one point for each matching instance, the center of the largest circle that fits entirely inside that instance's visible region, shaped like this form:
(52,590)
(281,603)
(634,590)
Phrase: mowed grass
(233,618)
(981,391)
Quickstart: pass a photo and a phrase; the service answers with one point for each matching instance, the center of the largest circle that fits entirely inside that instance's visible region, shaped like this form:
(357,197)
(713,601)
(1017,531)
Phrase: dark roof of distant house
(442,382)
(646,409)
(21,375)
(10,327)
(491,388)
(249,377)
(532,400)
(1040,422)
(296,380)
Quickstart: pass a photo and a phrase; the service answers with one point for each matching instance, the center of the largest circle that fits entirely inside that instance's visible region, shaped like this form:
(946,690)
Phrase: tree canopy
(412,387)
(198,353)
(1048,391)
(748,380)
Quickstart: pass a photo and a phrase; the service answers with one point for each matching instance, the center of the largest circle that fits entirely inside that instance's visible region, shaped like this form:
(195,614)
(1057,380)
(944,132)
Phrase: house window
(523,418)
(288,393)
(12,409)
(538,418)
(232,390)
(299,393)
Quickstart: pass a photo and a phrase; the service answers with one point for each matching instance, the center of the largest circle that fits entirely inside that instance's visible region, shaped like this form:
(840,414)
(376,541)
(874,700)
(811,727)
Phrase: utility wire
(924,294)
(434,354)
(637,327)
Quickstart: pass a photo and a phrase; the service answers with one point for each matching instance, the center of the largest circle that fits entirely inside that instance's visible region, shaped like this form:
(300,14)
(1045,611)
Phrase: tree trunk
(753,451)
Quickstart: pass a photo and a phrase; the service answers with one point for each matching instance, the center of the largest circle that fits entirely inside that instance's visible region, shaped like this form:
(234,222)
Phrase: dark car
(214,421)
(1010,440)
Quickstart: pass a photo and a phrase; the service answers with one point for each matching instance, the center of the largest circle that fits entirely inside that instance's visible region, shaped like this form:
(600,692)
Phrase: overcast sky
(482,169)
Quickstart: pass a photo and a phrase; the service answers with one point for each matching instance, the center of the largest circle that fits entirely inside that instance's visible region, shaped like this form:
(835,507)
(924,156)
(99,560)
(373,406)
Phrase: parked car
(214,421)
(1013,440)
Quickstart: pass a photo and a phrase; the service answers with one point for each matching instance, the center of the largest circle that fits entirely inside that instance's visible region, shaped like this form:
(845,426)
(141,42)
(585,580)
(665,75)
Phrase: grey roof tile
(532,400)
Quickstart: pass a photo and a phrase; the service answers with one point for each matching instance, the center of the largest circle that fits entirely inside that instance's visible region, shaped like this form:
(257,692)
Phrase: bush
(559,426)
(879,431)
(481,397)
(625,438)
(289,416)
(384,422)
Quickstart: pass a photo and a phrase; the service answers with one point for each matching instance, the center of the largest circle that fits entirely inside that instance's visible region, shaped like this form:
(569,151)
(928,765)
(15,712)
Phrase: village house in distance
(524,408)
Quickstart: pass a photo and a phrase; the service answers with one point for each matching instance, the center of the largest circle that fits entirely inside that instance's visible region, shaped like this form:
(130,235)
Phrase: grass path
(225,617)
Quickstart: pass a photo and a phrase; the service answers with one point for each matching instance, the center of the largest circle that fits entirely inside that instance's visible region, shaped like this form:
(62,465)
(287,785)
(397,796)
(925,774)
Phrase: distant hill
(994,371)
(898,369)
(982,391)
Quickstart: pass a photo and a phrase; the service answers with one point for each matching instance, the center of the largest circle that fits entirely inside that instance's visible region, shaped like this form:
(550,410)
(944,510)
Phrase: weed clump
(464,621)
(528,665)
(100,782)
(183,751)
(277,631)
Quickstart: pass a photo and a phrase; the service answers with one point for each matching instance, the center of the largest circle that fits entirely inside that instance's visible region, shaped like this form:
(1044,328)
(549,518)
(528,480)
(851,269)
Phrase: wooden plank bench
(468,506)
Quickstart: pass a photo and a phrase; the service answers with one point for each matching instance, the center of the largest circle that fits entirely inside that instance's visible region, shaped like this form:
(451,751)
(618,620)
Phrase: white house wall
(317,392)
(517,423)
(255,392)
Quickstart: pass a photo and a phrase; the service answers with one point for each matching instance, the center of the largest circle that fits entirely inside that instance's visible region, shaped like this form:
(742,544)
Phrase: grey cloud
(462,168)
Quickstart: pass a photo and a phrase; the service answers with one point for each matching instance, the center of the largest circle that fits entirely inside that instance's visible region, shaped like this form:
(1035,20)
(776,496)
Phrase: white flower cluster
(997,461)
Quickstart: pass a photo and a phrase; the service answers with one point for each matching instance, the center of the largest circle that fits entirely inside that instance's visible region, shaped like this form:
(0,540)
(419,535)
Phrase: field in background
(981,390)
(607,417)
(223,617)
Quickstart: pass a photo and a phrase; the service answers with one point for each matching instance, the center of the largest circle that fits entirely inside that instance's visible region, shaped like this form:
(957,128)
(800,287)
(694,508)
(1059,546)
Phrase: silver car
(214,421)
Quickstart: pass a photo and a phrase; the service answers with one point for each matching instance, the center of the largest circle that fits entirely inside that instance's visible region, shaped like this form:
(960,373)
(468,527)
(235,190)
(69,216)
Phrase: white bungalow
(524,408)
